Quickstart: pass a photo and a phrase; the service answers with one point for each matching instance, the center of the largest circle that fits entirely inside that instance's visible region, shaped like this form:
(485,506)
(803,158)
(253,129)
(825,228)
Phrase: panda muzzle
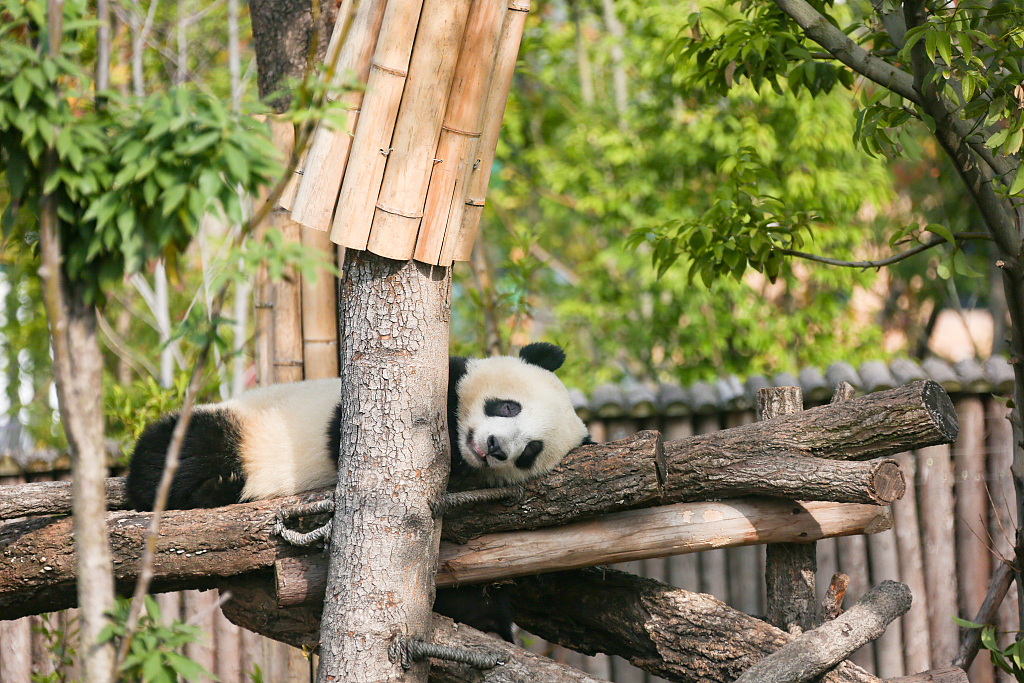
(494,449)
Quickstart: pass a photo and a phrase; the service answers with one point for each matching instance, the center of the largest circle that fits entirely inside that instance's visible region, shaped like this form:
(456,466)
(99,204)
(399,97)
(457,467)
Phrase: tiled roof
(638,400)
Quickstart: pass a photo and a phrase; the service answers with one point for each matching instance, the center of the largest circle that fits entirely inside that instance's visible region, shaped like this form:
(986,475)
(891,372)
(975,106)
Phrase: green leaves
(152,654)
(1010,659)
(132,181)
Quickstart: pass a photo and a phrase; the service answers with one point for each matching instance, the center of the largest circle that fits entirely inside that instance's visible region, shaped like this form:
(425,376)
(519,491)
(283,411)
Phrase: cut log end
(888,482)
(940,407)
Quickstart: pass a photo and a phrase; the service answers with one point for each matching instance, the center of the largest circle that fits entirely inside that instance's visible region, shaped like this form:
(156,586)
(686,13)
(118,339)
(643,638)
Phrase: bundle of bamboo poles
(408,179)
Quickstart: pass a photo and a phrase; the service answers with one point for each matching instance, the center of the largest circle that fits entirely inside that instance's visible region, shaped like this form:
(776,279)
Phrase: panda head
(515,418)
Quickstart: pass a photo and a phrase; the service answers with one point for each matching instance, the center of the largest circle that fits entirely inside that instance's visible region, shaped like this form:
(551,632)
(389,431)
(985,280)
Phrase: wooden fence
(956,519)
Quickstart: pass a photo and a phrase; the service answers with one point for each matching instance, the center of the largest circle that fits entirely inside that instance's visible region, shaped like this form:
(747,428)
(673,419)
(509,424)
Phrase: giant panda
(510,419)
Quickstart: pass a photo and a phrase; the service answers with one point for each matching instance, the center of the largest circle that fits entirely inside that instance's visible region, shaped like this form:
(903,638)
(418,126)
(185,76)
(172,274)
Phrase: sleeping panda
(509,420)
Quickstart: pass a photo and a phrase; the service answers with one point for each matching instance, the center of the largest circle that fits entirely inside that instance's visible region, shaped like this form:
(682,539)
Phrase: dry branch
(619,537)
(950,674)
(52,497)
(815,652)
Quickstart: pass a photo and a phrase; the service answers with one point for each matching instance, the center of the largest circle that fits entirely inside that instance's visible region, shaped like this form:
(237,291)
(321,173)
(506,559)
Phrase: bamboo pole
(319,313)
(497,96)
(458,145)
(328,152)
(403,190)
(369,155)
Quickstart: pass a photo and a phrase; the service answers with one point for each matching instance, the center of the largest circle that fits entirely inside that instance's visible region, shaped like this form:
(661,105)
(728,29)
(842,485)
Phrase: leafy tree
(948,71)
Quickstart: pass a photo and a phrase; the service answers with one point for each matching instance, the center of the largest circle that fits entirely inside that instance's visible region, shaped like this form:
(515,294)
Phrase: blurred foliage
(588,205)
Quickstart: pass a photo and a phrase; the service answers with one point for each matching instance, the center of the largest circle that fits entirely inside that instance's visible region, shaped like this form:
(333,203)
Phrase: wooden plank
(916,635)
(939,548)
(971,498)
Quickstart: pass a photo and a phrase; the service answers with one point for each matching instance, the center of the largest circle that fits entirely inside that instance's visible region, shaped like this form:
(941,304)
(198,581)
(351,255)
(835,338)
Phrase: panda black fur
(509,420)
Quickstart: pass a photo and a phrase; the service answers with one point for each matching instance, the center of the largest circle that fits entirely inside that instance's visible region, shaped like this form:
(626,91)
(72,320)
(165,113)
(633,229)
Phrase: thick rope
(408,650)
(449,501)
(316,535)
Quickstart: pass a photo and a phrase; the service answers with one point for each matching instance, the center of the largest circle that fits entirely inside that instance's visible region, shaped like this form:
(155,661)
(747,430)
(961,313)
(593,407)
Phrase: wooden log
(813,653)
(870,426)
(371,145)
(665,631)
(609,477)
(1002,519)
(619,537)
(195,547)
(399,209)
(52,497)
(460,134)
(325,162)
(494,109)
(319,313)
(789,567)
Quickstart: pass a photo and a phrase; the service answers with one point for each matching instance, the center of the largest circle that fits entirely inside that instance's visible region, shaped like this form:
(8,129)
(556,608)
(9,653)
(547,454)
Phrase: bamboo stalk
(319,314)
(618,537)
(399,207)
(497,96)
(460,135)
(369,154)
(328,152)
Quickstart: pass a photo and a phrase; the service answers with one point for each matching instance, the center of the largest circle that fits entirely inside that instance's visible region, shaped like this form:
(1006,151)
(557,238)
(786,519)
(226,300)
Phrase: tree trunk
(393,321)
(78,371)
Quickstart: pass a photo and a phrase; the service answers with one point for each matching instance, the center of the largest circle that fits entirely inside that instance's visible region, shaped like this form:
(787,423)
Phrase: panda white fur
(509,420)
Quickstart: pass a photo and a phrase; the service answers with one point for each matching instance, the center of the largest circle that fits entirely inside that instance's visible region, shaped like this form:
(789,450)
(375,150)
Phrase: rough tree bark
(393,320)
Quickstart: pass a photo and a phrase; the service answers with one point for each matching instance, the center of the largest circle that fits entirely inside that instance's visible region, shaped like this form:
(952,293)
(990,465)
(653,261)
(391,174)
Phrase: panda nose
(494,449)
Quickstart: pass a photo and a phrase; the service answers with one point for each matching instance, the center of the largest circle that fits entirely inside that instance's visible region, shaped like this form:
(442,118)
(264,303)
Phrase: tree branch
(896,258)
(842,47)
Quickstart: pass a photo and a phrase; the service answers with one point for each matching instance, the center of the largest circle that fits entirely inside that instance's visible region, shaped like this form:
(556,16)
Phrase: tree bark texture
(53,498)
(816,651)
(394,460)
(198,547)
(789,567)
(619,537)
(282,32)
(665,631)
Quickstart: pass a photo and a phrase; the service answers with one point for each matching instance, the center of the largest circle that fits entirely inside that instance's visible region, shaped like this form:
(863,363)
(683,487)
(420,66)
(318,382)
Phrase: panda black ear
(543,354)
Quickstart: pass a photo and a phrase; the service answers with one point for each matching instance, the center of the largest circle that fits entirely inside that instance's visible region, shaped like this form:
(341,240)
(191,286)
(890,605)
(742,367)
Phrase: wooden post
(916,638)
(393,318)
(934,474)
(789,567)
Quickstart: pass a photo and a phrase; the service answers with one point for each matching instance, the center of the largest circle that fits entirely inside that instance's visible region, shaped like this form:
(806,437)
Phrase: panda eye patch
(498,407)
